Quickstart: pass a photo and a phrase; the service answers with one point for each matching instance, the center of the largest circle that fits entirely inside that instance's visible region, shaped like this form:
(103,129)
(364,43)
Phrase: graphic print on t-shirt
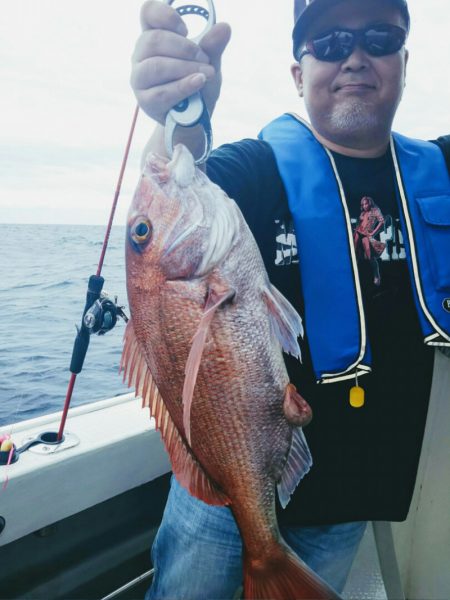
(386,245)
(286,244)
(376,237)
(367,246)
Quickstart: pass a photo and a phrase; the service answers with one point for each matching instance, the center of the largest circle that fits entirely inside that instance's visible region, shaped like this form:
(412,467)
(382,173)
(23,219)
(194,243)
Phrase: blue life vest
(334,315)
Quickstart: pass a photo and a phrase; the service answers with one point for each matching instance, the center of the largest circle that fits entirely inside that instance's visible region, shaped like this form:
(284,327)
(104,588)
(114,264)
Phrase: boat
(77,519)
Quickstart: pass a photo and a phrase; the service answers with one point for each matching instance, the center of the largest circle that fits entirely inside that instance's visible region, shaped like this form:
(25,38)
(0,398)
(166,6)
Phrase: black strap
(444,144)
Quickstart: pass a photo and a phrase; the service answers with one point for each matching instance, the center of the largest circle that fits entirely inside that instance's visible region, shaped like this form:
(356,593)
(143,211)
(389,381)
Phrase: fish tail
(282,576)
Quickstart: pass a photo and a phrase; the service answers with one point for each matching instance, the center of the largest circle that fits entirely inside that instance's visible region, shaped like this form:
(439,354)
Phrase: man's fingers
(168,67)
(158,15)
(158,71)
(215,42)
(169,95)
(166,43)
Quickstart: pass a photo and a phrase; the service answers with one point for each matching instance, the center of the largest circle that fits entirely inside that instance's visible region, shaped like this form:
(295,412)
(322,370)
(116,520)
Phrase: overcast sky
(66,105)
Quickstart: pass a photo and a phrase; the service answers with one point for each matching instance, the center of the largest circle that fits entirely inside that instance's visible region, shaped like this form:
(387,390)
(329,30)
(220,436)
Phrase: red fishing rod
(100,313)
(99,316)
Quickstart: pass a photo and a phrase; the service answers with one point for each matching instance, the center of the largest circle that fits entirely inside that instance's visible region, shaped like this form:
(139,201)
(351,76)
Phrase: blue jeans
(197,550)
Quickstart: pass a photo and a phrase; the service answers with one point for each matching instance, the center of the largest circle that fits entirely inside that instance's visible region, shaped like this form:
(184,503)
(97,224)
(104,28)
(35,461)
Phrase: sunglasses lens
(338,44)
(380,41)
(333,46)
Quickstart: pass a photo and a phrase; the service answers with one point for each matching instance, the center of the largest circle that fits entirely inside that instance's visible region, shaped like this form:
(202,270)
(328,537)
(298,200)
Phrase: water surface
(44,270)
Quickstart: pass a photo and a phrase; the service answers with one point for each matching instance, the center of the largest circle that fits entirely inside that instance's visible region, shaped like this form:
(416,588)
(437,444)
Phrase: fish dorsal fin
(298,463)
(217,296)
(185,467)
(286,322)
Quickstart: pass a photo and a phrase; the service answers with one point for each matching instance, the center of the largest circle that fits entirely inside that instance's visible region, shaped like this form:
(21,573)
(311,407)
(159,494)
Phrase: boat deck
(365,581)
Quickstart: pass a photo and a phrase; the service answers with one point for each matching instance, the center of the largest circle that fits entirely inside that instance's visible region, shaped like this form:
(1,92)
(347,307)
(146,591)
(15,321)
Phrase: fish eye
(141,231)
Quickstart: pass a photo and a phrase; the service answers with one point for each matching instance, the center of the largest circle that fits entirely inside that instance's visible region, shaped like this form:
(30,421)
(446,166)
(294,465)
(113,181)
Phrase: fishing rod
(100,312)
(99,316)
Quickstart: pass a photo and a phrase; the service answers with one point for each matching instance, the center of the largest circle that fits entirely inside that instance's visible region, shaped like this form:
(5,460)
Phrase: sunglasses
(338,44)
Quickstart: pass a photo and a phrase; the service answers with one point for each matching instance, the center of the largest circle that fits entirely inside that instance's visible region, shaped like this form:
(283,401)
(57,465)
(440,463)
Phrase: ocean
(44,271)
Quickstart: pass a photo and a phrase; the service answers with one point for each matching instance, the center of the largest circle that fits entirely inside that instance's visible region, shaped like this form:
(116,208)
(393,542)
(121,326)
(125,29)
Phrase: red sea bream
(204,350)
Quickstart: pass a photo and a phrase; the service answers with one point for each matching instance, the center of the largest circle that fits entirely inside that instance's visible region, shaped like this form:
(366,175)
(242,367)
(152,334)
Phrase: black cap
(305,11)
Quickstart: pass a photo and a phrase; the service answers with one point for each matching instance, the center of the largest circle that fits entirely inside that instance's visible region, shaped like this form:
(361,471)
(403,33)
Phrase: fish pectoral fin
(298,463)
(218,295)
(185,467)
(285,321)
(296,410)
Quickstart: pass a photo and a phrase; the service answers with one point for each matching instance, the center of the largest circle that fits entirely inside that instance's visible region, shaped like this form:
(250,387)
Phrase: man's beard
(354,119)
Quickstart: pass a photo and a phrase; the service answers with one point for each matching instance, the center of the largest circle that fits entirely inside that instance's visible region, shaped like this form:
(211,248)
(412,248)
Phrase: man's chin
(354,118)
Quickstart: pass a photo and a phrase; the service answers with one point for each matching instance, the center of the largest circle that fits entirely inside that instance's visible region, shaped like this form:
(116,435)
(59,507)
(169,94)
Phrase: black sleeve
(444,144)
(247,172)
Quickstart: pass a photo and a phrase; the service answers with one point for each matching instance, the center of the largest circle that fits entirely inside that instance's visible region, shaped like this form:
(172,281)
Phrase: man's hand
(167,67)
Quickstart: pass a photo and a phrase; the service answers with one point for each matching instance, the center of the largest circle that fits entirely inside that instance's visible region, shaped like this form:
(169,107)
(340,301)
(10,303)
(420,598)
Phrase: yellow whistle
(356,397)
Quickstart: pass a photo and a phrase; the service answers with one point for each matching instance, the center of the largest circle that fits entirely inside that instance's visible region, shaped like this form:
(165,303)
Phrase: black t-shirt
(365,460)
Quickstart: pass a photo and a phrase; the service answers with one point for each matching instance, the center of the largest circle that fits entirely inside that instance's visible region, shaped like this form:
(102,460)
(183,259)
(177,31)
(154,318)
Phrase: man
(302,185)
(371,222)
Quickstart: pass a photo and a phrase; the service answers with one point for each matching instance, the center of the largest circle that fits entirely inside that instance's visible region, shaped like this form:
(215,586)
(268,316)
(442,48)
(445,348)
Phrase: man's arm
(167,68)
